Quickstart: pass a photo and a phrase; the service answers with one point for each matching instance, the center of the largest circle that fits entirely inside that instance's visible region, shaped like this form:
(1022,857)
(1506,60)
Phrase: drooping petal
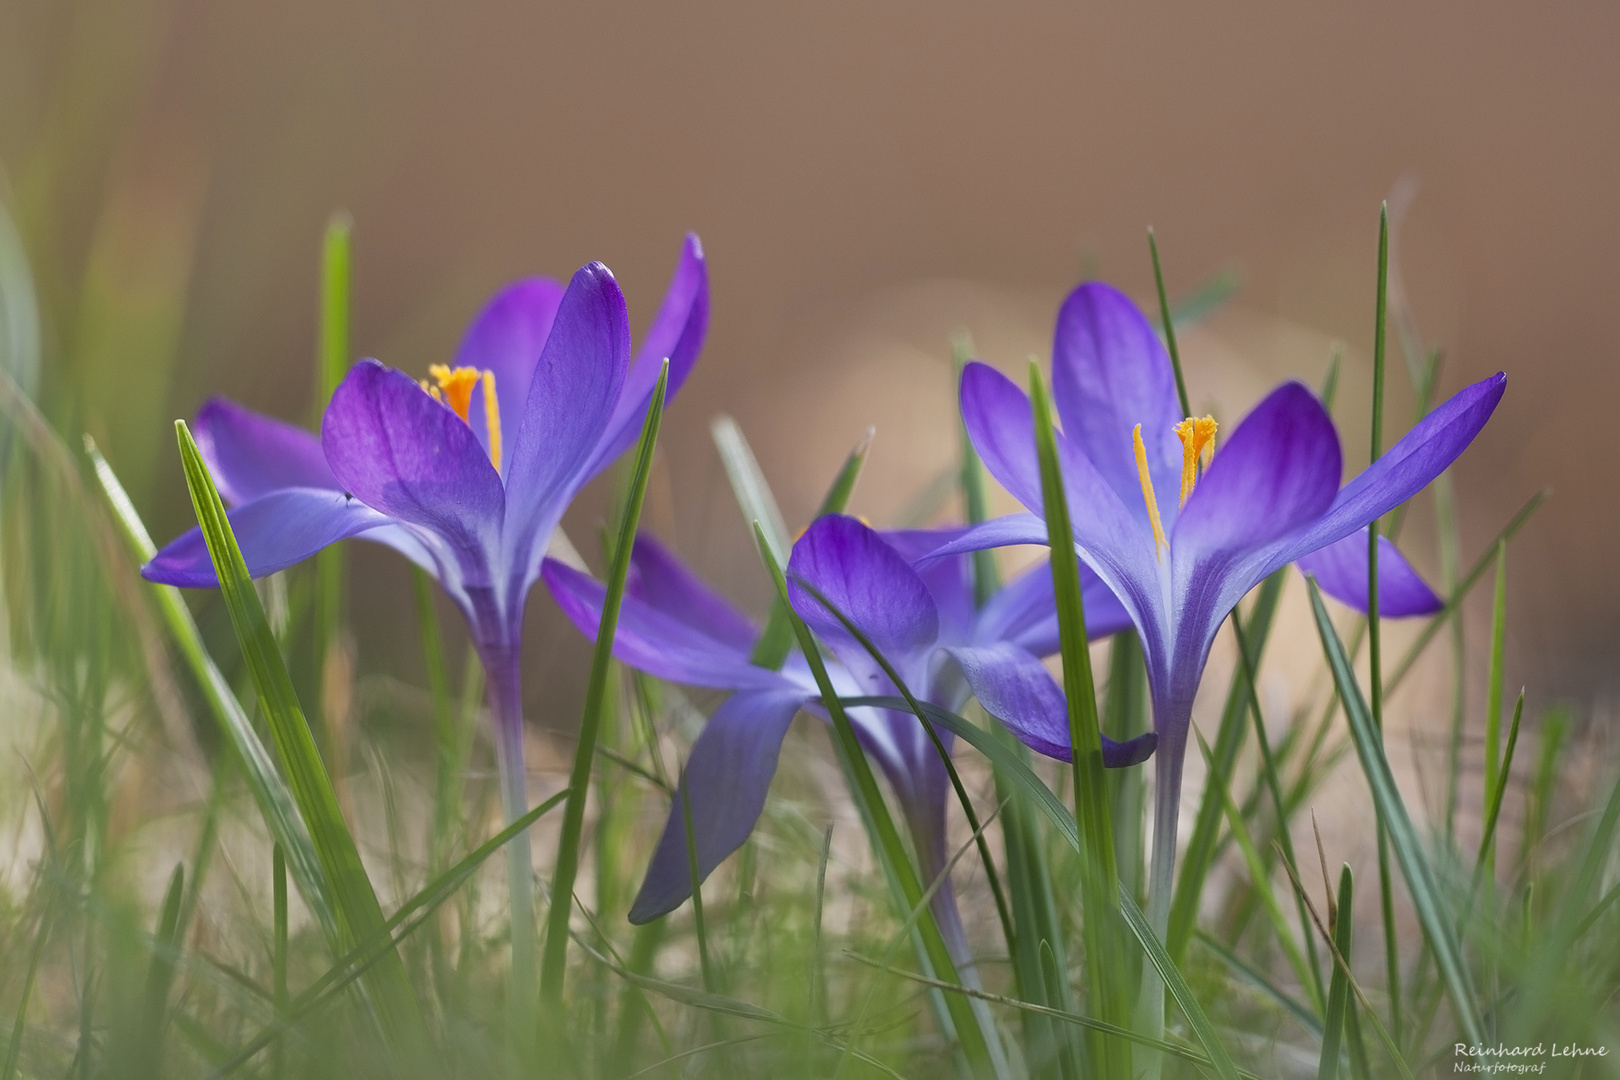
(872,585)
(949,581)
(274,532)
(573,392)
(1277,472)
(665,584)
(653,641)
(1110,373)
(727,776)
(1024,611)
(250,454)
(1015,688)
(676,333)
(400,452)
(1014,530)
(1407,468)
(507,338)
(1107,536)
(1341,570)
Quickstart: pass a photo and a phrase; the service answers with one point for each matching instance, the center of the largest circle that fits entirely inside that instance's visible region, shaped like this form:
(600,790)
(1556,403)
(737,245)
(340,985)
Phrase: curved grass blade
(1339,988)
(1408,848)
(754,496)
(1108,976)
(888,847)
(405,920)
(1219,1059)
(270,792)
(555,953)
(359,915)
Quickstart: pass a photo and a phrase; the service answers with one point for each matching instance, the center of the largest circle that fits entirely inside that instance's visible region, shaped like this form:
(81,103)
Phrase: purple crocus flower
(1180,565)
(924,622)
(469,478)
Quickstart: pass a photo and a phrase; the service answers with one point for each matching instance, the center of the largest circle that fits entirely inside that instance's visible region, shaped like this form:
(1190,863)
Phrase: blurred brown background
(866,178)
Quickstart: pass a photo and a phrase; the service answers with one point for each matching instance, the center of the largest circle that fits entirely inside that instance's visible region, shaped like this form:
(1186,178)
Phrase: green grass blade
(776,640)
(405,920)
(749,485)
(1555,724)
(336,260)
(1259,875)
(554,957)
(275,801)
(1184,997)
(1262,982)
(1485,860)
(1493,691)
(1168,324)
(160,975)
(19,1025)
(888,847)
(1403,836)
(278,956)
(698,921)
(1108,977)
(353,899)
(1339,989)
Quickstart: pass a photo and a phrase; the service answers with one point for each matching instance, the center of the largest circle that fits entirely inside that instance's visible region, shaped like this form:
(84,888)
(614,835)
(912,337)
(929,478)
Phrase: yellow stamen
(1196,434)
(1147,492)
(492,420)
(457,386)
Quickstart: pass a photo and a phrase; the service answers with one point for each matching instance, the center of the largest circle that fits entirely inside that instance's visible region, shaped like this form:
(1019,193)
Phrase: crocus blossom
(1179,551)
(468,478)
(673,626)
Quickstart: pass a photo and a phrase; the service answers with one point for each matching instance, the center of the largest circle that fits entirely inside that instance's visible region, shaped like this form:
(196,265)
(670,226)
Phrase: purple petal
(1118,547)
(1110,373)
(1341,570)
(871,584)
(676,333)
(949,581)
(1277,473)
(574,390)
(397,450)
(653,641)
(507,338)
(274,532)
(1014,530)
(1024,612)
(1015,688)
(1407,468)
(727,776)
(250,454)
(665,584)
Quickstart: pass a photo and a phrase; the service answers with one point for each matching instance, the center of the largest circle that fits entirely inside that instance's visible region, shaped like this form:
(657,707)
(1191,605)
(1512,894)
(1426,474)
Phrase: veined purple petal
(727,776)
(573,392)
(400,452)
(654,641)
(1107,536)
(1277,472)
(1341,570)
(1013,530)
(1024,611)
(676,333)
(871,584)
(274,531)
(1015,688)
(665,584)
(949,581)
(1110,373)
(1407,468)
(250,454)
(507,338)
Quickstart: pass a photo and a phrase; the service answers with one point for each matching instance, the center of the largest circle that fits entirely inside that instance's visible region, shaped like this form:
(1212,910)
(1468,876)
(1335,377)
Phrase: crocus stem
(1168,759)
(506,703)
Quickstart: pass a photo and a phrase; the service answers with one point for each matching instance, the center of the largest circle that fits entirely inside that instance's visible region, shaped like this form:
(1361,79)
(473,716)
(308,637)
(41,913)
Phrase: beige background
(866,177)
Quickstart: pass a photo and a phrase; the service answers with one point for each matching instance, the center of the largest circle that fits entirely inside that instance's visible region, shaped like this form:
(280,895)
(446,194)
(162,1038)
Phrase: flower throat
(1197,434)
(455,389)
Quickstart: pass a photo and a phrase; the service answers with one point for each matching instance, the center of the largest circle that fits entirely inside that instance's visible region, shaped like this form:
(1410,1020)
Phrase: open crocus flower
(467,478)
(673,626)
(1180,551)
